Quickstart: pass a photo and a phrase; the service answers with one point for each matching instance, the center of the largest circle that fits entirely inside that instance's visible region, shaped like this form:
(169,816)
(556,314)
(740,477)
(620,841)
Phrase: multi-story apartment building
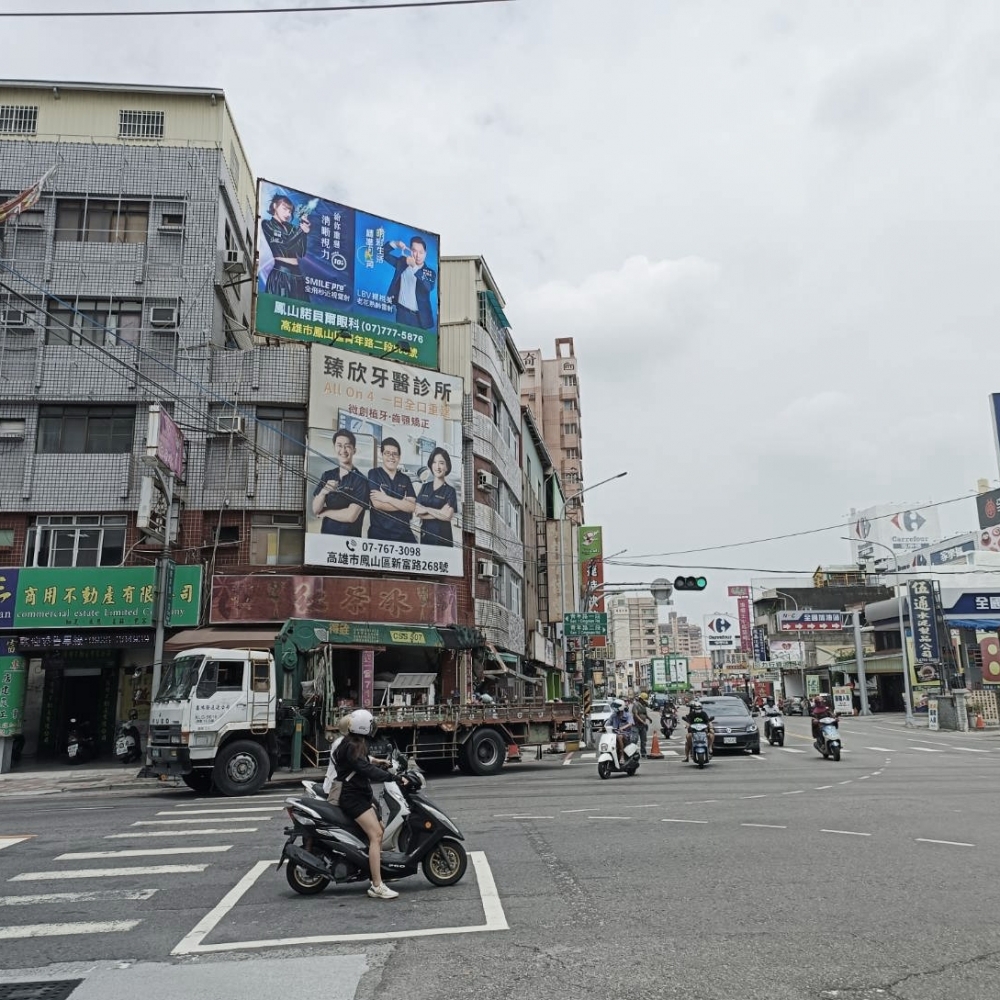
(551,387)
(633,626)
(679,636)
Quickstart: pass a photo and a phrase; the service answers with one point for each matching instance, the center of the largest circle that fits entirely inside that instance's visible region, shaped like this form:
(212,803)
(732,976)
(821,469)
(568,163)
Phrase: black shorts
(355,802)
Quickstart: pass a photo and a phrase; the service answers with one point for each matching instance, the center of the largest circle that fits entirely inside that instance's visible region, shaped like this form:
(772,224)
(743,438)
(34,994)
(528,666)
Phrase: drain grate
(49,989)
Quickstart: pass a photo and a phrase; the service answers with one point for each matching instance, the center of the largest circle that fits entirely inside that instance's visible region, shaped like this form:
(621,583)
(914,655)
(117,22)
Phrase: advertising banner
(786,652)
(924,627)
(843,702)
(27,199)
(164,441)
(721,632)
(658,669)
(746,636)
(897,527)
(590,552)
(337,275)
(94,596)
(384,466)
(739,591)
(959,549)
(677,668)
(761,652)
(813,686)
(13,683)
(988,508)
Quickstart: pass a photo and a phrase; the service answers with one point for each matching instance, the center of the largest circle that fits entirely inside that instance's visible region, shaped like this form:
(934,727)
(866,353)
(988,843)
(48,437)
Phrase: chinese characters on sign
(810,621)
(589,623)
(923,624)
(384,467)
(761,652)
(335,275)
(13,678)
(743,610)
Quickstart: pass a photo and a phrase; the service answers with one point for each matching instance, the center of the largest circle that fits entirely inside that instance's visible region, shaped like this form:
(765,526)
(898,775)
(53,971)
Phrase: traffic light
(690,583)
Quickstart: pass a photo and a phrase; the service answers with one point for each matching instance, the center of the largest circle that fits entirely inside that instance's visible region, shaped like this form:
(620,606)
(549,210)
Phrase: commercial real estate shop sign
(94,596)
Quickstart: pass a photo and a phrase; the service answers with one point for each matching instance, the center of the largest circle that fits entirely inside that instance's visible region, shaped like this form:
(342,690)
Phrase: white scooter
(774,730)
(828,741)
(607,755)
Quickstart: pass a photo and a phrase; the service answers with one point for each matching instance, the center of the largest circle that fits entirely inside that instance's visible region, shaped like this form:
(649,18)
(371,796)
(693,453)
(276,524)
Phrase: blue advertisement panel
(345,278)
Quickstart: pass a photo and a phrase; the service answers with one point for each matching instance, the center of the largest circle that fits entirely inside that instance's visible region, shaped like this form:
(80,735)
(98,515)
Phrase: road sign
(810,621)
(588,623)
(741,591)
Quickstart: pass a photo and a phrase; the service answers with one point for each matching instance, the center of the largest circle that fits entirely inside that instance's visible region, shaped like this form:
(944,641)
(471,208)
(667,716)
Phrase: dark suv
(734,726)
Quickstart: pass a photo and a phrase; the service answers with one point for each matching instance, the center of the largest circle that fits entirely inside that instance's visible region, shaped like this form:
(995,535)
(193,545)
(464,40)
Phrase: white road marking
(683,820)
(587,809)
(881,749)
(11,841)
(864,777)
(822,788)
(58,930)
(191,943)
(178,833)
(609,817)
(798,791)
(791,750)
(758,757)
(97,896)
(151,852)
(849,780)
(971,749)
(210,812)
(525,816)
(927,749)
(765,826)
(591,755)
(108,872)
(214,819)
(847,833)
(753,796)
(700,802)
(949,843)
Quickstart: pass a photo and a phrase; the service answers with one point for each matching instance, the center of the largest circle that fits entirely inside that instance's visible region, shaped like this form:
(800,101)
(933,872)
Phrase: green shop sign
(13,678)
(95,596)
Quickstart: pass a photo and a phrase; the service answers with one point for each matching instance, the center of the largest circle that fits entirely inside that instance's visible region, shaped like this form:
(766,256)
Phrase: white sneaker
(381,891)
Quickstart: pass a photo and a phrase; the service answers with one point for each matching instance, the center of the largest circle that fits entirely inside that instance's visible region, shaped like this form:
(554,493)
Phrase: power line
(324,9)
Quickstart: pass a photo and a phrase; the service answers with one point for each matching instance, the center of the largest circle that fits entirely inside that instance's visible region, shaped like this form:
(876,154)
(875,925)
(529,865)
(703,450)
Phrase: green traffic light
(700,583)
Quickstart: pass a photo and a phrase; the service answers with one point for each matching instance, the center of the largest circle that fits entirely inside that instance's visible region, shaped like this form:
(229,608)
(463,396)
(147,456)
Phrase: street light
(579,493)
(908,695)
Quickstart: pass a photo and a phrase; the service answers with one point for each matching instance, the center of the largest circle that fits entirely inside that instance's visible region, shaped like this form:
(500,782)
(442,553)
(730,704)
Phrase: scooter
(80,745)
(607,755)
(668,723)
(128,744)
(700,753)
(828,741)
(418,835)
(774,730)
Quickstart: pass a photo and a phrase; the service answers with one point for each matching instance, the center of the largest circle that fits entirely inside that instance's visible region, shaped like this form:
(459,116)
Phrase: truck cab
(213,719)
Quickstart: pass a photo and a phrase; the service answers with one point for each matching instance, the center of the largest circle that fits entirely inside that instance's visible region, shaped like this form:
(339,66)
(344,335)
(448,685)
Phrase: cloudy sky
(770,225)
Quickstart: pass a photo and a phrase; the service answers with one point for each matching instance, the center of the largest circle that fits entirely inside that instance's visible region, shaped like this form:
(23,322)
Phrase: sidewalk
(52,777)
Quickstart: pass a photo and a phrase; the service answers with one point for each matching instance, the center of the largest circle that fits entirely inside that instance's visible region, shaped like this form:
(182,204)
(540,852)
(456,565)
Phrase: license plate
(71,750)
(728,739)
(121,746)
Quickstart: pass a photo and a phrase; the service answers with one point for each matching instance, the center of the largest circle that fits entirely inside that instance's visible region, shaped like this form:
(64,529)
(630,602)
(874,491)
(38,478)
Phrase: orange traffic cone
(513,754)
(654,751)
(980,723)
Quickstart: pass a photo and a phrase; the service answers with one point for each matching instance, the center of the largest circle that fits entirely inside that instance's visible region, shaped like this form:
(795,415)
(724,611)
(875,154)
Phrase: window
(281,430)
(171,220)
(569,405)
(6,538)
(18,119)
(230,677)
(572,453)
(12,428)
(79,430)
(99,220)
(76,540)
(572,476)
(104,322)
(277,540)
(568,380)
(140,124)
(234,165)
(571,429)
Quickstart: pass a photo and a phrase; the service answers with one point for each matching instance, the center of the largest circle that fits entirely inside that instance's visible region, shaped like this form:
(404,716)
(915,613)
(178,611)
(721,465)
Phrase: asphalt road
(779,876)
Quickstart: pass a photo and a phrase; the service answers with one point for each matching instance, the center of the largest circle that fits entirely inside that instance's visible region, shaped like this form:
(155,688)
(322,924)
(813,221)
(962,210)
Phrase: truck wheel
(463,760)
(486,752)
(241,768)
(446,864)
(198,781)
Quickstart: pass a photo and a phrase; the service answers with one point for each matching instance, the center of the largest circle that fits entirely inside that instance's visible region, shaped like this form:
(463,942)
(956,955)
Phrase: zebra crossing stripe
(61,930)
(108,872)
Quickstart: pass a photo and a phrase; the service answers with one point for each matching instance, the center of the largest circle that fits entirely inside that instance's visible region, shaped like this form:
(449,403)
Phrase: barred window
(140,124)
(18,119)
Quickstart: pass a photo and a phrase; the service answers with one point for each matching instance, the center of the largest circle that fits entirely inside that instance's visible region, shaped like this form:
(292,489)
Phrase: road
(782,875)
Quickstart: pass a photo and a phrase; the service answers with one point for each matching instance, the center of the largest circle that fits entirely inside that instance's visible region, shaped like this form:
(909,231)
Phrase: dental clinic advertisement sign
(337,275)
(383,466)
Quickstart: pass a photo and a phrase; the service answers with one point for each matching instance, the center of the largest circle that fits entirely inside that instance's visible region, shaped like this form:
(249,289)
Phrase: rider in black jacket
(697,714)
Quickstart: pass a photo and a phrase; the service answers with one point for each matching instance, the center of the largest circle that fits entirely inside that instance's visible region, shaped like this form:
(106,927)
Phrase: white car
(600,712)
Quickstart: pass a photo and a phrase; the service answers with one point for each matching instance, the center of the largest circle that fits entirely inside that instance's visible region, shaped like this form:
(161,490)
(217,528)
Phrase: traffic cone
(513,754)
(980,723)
(654,751)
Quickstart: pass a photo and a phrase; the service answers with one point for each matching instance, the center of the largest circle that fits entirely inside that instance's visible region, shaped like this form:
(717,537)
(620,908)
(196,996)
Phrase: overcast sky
(771,227)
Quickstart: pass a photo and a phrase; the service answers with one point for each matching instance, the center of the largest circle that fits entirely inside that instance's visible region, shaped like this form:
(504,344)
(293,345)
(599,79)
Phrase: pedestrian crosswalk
(156,866)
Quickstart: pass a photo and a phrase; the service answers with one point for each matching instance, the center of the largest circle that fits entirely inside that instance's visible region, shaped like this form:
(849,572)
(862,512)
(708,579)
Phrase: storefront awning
(222,638)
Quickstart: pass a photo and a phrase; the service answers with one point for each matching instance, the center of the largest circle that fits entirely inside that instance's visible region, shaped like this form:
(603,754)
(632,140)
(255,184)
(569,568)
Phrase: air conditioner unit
(487,569)
(229,424)
(235,261)
(163,316)
(485,481)
(15,319)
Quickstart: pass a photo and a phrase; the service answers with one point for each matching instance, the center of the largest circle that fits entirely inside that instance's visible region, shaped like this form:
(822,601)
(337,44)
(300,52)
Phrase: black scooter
(80,743)
(668,723)
(128,743)
(335,849)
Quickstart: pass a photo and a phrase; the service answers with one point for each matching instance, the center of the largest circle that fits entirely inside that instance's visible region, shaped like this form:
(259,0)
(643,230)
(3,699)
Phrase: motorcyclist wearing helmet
(356,770)
(697,714)
(820,710)
(621,722)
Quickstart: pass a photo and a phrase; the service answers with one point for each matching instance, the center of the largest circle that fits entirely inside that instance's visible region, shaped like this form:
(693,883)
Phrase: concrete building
(679,636)
(551,387)
(633,627)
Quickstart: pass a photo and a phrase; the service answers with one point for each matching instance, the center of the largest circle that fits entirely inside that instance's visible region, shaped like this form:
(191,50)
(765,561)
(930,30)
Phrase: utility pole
(859,656)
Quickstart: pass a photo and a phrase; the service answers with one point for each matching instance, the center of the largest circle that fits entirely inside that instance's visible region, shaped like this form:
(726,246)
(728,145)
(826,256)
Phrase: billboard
(590,547)
(721,632)
(334,274)
(383,466)
(988,508)
(165,441)
(924,627)
(783,651)
(743,607)
(900,527)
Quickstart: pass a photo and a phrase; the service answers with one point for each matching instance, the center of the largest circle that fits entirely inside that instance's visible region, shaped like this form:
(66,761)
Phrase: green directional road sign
(588,623)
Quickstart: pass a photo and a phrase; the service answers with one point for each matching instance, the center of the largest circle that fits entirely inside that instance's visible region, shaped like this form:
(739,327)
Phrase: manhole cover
(50,989)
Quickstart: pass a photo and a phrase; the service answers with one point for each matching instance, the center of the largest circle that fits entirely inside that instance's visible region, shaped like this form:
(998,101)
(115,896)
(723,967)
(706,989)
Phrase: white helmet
(362,722)
(617,704)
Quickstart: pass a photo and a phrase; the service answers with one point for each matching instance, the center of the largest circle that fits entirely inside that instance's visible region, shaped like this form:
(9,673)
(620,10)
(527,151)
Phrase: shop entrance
(81,687)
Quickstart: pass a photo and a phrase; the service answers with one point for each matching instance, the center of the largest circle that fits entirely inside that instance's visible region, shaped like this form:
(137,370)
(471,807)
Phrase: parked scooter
(128,743)
(80,743)
(828,741)
(699,744)
(335,849)
(774,730)
(607,755)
